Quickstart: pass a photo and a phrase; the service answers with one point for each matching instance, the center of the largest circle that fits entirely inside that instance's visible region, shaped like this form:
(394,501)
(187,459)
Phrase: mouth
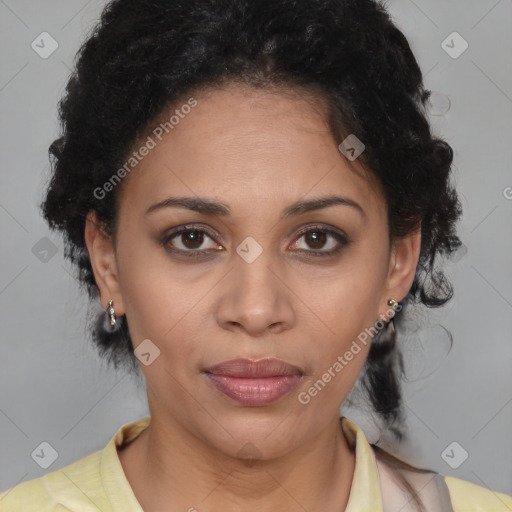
(254,383)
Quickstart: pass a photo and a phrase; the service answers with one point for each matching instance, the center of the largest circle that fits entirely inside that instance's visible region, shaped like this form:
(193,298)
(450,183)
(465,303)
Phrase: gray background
(53,386)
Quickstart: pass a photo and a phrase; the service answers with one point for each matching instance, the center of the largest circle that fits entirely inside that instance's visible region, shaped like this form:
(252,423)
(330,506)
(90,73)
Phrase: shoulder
(29,495)
(437,492)
(76,486)
(469,497)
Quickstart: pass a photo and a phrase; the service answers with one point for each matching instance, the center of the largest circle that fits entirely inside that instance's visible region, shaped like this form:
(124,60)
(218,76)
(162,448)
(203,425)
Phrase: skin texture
(257,152)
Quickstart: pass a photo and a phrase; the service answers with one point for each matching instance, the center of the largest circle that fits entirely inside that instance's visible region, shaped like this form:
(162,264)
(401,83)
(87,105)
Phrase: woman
(252,192)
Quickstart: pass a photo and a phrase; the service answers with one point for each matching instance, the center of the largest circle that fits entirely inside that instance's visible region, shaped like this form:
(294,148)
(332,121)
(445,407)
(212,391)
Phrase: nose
(255,298)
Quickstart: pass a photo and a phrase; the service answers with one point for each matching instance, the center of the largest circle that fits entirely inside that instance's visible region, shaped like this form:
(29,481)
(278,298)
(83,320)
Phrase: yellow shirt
(97,482)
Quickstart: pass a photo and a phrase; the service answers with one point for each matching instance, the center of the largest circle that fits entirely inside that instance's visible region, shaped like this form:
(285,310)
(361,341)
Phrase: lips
(248,368)
(253,383)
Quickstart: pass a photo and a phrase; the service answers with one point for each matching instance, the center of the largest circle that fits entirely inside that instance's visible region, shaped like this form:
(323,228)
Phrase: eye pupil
(193,236)
(318,238)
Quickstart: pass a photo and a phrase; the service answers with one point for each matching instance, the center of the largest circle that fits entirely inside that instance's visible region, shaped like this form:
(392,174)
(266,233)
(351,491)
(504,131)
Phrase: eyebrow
(209,207)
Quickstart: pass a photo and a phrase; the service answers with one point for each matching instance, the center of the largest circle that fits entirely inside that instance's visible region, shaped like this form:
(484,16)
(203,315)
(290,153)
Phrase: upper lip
(250,368)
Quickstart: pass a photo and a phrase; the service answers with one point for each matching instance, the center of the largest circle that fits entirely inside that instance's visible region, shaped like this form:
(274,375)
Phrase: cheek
(337,359)
(347,301)
(348,309)
(150,299)
(161,305)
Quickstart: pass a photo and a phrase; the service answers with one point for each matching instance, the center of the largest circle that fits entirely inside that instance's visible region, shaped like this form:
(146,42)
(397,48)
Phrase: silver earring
(110,312)
(394,304)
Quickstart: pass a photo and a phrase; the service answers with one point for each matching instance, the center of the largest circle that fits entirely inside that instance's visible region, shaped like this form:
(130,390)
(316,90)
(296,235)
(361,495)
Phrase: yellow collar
(364,493)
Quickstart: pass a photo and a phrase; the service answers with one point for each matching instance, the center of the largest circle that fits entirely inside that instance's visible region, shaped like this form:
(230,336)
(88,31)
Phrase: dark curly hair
(144,57)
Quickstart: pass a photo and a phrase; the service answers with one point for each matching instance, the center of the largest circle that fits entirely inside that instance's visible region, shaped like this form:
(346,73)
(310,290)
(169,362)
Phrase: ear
(103,262)
(403,261)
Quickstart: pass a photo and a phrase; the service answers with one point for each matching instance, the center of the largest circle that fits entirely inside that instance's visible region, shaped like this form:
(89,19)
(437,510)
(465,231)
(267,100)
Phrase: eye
(317,237)
(190,239)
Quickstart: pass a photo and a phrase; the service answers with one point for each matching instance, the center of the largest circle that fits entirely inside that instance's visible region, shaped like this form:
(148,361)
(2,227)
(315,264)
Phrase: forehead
(247,147)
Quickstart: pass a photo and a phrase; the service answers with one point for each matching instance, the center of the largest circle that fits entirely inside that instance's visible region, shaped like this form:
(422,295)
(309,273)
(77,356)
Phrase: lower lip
(255,391)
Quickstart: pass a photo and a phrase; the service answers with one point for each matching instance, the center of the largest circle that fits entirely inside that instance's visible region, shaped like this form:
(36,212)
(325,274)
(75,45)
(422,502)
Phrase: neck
(166,465)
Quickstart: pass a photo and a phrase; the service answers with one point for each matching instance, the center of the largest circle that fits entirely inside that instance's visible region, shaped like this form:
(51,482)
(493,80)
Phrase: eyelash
(196,254)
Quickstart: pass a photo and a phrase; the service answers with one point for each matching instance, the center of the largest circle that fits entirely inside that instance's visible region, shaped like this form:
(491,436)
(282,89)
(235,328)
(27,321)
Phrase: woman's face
(250,282)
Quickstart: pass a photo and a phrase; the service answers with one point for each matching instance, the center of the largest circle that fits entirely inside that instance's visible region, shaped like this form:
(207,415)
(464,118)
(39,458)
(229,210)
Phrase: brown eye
(316,239)
(192,239)
(319,241)
(189,239)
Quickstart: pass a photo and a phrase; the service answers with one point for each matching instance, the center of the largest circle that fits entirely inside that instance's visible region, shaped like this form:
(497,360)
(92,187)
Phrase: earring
(110,312)
(393,303)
